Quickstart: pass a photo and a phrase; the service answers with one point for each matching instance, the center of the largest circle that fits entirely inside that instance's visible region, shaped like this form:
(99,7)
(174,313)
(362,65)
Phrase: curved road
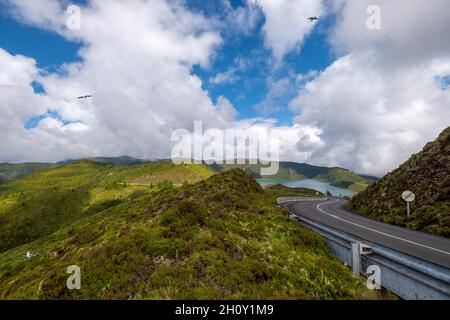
(418,244)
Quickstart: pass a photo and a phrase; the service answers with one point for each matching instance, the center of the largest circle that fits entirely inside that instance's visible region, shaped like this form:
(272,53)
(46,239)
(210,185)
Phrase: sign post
(409,197)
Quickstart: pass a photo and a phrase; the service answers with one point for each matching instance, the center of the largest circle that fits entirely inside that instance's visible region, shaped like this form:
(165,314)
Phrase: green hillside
(42,202)
(284,191)
(10,171)
(123,160)
(223,237)
(338,177)
(427,174)
(339,174)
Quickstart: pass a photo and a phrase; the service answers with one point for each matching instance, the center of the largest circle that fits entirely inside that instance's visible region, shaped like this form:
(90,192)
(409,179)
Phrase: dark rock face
(427,174)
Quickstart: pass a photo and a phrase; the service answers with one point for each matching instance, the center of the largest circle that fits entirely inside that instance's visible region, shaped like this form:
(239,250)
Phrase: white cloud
(411,30)
(226,110)
(226,77)
(273,100)
(377,104)
(46,14)
(242,18)
(287,24)
(231,75)
(18,71)
(381,101)
(136,62)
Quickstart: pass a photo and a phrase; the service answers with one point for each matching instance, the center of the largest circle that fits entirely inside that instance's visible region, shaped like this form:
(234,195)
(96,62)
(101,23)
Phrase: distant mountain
(123,160)
(427,174)
(338,177)
(10,171)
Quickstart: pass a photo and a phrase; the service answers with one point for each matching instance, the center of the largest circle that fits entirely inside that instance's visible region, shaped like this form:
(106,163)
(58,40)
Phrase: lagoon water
(311,184)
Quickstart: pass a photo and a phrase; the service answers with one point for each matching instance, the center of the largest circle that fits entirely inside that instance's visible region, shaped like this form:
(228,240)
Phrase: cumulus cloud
(411,30)
(137,63)
(243,18)
(384,97)
(381,101)
(51,139)
(43,13)
(287,24)
(250,139)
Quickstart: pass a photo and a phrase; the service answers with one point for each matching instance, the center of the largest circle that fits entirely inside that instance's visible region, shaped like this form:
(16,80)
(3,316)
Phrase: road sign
(408,196)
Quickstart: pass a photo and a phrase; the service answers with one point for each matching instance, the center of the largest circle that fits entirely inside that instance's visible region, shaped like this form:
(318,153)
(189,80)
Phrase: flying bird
(85,97)
(313,18)
(30,254)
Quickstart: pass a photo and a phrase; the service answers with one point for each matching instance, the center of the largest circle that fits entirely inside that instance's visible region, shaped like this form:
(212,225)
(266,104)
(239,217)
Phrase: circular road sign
(408,196)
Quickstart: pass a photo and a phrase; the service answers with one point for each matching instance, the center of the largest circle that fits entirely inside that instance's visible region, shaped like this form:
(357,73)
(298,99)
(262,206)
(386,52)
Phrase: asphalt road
(418,244)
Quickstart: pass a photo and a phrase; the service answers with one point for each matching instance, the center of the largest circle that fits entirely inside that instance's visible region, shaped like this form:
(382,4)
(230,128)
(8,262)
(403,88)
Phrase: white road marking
(380,232)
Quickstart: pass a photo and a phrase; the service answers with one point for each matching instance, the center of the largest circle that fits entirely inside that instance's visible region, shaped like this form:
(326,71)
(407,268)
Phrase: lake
(310,184)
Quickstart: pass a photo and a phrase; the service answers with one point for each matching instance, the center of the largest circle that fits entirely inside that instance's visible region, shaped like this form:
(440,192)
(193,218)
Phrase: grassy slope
(122,160)
(284,191)
(346,179)
(358,186)
(219,238)
(9,171)
(42,202)
(427,174)
(339,177)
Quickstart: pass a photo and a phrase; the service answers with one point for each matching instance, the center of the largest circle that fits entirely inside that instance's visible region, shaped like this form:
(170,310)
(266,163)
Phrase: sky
(340,92)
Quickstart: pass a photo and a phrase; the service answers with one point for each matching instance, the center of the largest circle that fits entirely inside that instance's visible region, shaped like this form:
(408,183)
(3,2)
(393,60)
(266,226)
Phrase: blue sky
(51,51)
(338,92)
(251,87)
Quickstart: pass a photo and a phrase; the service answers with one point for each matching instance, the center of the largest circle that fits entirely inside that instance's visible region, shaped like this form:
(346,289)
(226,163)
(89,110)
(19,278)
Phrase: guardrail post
(358,250)
(356,259)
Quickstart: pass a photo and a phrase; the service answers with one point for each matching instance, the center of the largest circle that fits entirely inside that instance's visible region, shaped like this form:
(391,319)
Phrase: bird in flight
(313,18)
(85,97)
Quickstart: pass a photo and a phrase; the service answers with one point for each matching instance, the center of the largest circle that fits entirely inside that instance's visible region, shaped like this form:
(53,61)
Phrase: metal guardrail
(406,276)
(287,200)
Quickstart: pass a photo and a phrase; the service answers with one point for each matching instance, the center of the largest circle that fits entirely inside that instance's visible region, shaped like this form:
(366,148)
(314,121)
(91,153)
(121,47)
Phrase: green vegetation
(280,190)
(427,174)
(42,202)
(338,177)
(284,173)
(358,186)
(223,237)
(122,160)
(350,185)
(9,171)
